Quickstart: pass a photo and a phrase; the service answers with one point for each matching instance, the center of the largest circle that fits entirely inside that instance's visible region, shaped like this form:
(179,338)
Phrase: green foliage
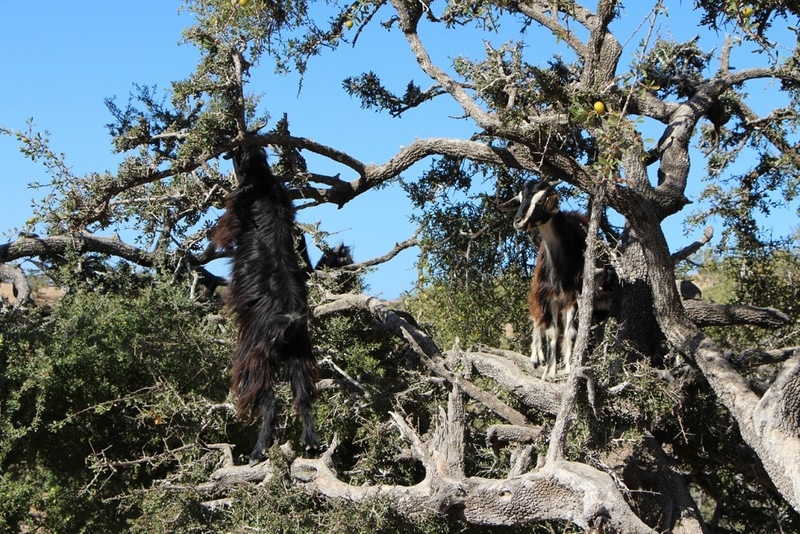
(373,95)
(474,270)
(279,506)
(753,25)
(107,378)
(675,68)
(377,374)
(466,310)
(765,277)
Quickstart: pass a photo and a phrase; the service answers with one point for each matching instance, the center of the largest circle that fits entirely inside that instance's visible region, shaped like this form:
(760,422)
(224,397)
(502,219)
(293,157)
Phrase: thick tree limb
(448,443)
(58,245)
(657,493)
(341,191)
(775,448)
(19,283)
(776,422)
(230,475)
(28,247)
(531,391)
(704,313)
(319,476)
(567,491)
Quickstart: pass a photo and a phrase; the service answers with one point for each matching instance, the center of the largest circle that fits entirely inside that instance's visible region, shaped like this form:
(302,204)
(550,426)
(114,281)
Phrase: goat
(337,279)
(557,277)
(336,257)
(267,294)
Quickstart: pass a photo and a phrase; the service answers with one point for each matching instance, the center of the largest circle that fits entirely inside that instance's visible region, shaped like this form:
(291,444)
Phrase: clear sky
(61,64)
(60,60)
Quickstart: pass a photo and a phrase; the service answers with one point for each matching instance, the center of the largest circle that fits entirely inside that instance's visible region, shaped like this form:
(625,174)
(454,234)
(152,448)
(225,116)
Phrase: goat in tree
(557,277)
(267,293)
(338,256)
(331,262)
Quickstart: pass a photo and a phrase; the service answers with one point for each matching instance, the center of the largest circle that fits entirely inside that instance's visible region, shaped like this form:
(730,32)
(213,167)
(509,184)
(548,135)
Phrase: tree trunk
(639,332)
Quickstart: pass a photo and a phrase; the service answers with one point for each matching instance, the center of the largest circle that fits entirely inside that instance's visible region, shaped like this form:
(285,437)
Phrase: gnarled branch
(704,313)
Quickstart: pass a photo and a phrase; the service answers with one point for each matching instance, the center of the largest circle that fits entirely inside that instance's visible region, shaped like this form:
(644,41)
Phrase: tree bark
(704,313)
(760,424)
(657,494)
(562,491)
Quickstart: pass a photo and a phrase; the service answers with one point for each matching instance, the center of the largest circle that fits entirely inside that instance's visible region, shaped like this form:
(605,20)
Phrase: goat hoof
(315,450)
(256,458)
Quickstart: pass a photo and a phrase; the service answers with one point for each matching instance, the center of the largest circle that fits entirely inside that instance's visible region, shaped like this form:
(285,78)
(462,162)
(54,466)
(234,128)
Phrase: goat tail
(251,380)
(226,232)
(256,358)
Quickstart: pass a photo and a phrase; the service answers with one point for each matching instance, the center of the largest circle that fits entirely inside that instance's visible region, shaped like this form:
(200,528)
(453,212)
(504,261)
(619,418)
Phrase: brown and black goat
(558,275)
(267,293)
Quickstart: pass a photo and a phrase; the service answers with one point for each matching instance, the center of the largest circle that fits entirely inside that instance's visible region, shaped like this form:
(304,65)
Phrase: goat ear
(551,203)
(232,153)
(511,205)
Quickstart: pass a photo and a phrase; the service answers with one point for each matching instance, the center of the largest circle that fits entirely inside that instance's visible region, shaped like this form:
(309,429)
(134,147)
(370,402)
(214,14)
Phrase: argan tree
(667,421)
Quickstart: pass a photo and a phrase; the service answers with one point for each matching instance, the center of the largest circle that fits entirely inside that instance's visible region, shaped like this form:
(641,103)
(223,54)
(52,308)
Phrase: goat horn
(509,205)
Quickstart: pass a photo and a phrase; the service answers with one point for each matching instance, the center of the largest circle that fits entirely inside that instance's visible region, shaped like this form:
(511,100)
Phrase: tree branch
(531,391)
(19,283)
(422,344)
(754,358)
(705,314)
(685,252)
(340,191)
(27,247)
(564,418)
(730,387)
(409,19)
(566,491)
(57,245)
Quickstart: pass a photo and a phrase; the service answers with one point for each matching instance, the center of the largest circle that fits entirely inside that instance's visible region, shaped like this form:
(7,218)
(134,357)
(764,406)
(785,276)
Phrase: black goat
(557,277)
(338,256)
(267,293)
(330,265)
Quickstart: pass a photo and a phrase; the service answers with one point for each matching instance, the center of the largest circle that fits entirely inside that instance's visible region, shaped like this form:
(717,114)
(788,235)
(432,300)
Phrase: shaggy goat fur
(557,278)
(558,275)
(267,293)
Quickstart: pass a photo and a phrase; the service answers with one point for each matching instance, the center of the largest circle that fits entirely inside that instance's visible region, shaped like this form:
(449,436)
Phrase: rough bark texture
(565,490)
(656,493)
(710,314)
(778,450)
(533,392)
(21,290)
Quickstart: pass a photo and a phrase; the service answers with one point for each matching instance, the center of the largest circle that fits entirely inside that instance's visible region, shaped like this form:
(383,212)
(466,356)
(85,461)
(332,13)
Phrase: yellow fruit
(599,107)
(348,24)
(243,2)
(747,12)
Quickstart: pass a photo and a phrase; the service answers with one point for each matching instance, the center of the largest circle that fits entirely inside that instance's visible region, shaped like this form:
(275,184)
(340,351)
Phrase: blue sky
(65,60)
(60,60)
